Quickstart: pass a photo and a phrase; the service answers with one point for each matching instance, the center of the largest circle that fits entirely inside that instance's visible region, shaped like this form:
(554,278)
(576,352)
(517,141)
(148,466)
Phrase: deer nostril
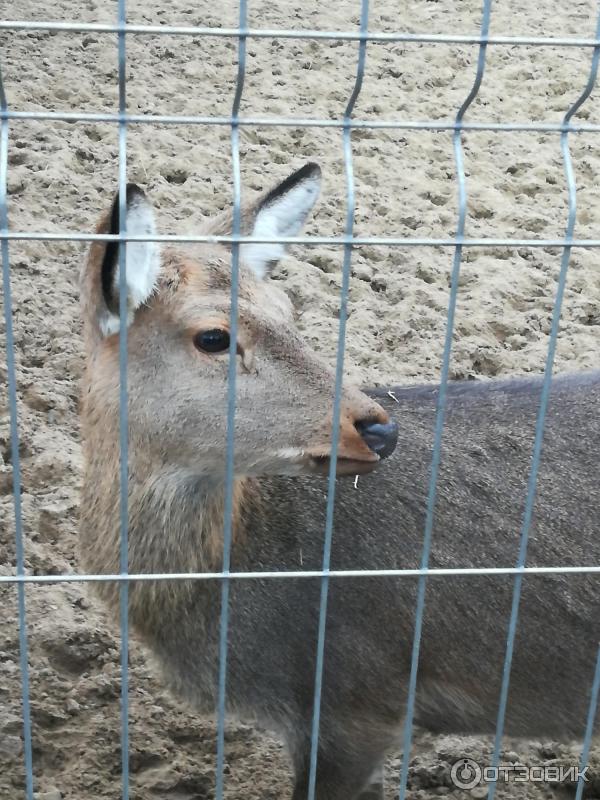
(380,437)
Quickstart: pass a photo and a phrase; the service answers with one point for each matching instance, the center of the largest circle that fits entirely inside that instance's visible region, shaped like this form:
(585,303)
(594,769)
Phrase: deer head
(178,350)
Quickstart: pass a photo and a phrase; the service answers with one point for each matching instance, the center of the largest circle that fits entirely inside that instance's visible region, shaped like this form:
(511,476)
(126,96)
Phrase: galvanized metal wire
(441,402)
(347,242)
(337,399)
(434,572)
(589,728)
(299,122)
(541,418)
(14,446)
(230,446)
(377,241)
(295,33)
(123,403)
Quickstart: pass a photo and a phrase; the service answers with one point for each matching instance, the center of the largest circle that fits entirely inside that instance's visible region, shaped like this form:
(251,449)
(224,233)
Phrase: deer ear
(281,212)
(142,264)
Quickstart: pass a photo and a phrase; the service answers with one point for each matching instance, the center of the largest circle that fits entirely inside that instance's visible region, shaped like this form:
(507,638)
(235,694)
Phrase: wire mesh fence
(235,121)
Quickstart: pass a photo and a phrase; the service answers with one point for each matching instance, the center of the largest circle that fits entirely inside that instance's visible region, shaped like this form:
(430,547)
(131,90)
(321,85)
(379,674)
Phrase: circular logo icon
(465,773)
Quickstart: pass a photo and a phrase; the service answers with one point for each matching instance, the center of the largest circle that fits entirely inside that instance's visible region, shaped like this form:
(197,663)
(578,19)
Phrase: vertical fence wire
(231,384)
(337,400)
(441,404)
(123,400)
(541,417)
(589,729)
(14,447)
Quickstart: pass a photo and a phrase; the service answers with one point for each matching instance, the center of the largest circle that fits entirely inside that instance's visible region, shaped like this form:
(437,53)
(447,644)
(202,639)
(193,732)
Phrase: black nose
(381,438)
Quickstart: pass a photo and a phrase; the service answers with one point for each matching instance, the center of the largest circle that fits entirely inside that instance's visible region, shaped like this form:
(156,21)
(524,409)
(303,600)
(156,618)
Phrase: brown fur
(192,294)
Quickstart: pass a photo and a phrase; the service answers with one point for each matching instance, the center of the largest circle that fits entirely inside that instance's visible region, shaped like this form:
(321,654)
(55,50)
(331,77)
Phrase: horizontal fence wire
(302,240)
(296,33)
(347,241)
(432,572)
(299,122)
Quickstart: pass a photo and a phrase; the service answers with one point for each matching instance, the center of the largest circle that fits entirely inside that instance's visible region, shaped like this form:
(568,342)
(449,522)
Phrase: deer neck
(176,524)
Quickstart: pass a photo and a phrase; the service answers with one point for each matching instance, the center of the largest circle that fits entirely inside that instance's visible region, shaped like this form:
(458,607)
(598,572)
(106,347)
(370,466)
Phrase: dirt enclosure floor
(61,176)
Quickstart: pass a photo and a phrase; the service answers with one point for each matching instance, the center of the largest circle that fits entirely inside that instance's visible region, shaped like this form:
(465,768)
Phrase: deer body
(176,499)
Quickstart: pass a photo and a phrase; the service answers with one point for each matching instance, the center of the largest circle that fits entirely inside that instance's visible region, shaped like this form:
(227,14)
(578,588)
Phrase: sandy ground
(61,176)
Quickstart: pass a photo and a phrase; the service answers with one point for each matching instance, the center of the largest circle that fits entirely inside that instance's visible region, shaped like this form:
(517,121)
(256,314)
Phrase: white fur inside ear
(142,264)
(284,215)
(143,258)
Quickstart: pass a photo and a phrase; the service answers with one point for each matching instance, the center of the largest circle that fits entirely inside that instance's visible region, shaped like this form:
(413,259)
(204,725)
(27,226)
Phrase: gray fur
(177,415)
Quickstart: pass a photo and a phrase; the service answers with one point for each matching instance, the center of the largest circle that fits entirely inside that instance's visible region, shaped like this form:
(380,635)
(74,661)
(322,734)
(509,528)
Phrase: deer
(178,339)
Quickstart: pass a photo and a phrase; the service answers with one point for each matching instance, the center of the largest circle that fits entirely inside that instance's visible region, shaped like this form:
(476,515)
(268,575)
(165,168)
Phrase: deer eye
(212,341)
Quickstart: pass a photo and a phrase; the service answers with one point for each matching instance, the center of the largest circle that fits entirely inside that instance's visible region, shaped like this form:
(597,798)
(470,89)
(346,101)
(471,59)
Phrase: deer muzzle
(380,437)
